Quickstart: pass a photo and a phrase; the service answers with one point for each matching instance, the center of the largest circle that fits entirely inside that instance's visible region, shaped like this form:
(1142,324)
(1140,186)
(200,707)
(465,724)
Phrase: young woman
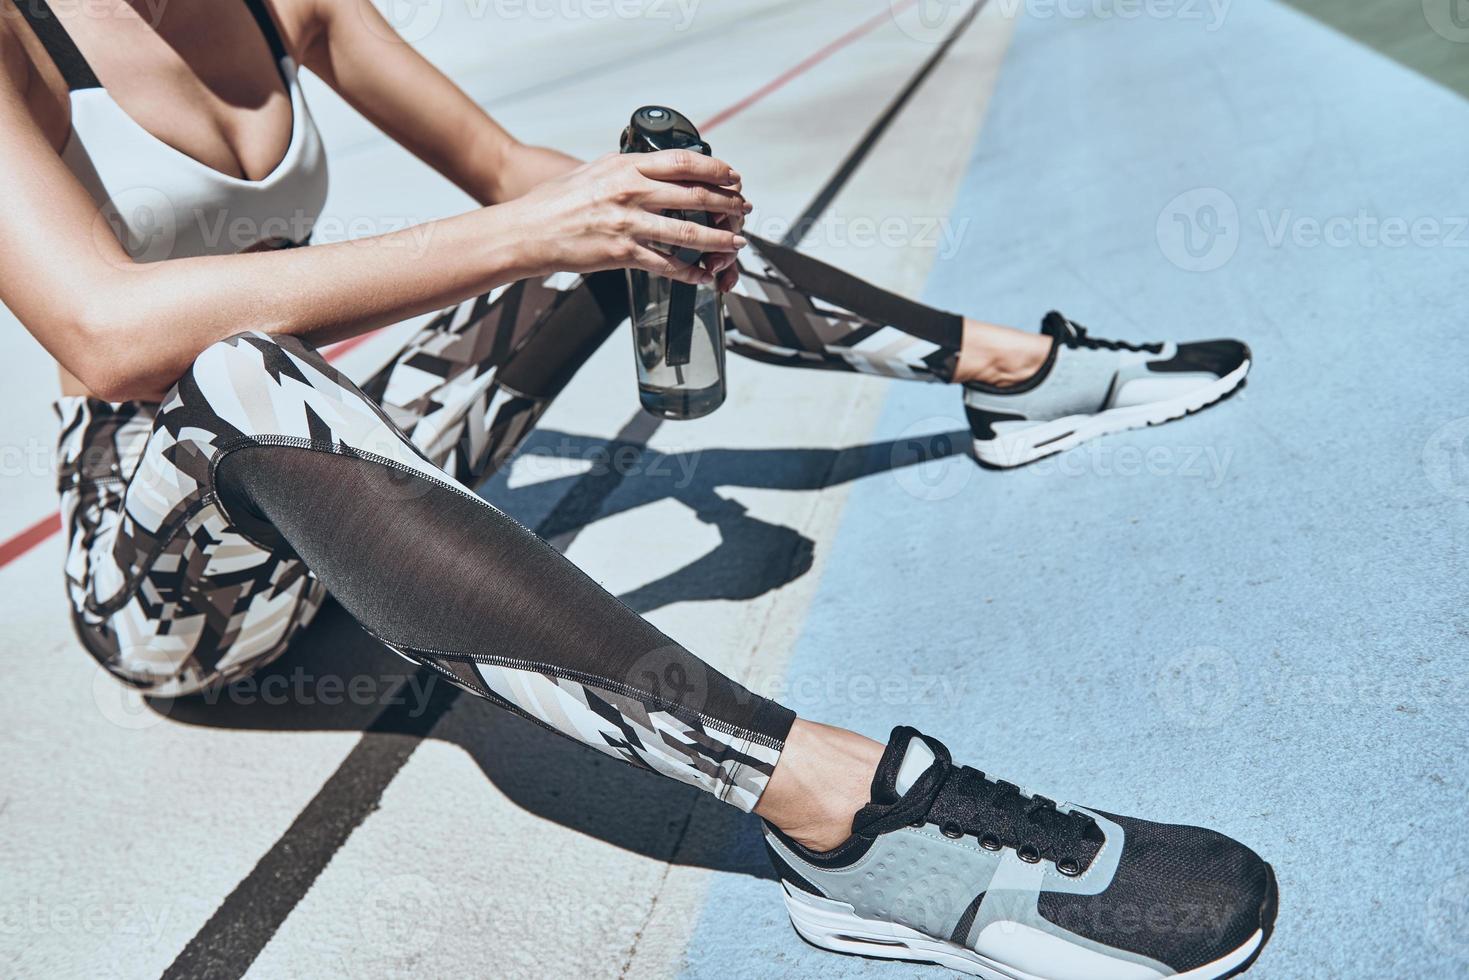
(217,474)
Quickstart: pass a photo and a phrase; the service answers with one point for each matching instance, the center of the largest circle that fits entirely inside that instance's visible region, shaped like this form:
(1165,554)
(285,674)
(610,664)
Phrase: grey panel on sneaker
(920,878)
(915,877)
(1081,381)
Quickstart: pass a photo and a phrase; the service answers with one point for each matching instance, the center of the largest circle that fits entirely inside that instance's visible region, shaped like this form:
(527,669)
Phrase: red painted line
(342,347)
(805,65)
(38,532)
(47,526)
(29,538)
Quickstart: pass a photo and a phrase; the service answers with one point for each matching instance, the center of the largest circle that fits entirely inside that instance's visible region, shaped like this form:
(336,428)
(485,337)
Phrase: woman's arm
(355,51)
(128,331)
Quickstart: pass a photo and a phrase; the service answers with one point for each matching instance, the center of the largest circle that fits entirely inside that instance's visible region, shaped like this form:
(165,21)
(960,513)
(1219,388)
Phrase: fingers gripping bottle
(678,329)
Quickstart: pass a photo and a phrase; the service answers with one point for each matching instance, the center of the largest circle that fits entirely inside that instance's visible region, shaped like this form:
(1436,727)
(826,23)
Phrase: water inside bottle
(679,376)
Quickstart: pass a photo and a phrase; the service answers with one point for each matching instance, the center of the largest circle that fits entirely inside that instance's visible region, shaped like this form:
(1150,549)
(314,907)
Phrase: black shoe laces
(1076,336)
(963,801)
(1000,815)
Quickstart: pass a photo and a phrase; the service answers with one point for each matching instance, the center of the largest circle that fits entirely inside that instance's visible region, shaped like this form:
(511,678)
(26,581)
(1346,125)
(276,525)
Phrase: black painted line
(237,932)
(827,194)
(234,936)
(227,944)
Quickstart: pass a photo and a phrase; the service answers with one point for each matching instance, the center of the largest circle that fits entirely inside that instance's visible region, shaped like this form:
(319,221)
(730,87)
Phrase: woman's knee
(277,388)
(251,376)
(248,353)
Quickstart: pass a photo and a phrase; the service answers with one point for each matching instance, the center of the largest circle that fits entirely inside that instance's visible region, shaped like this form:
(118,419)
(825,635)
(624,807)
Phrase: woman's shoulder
(15,62)
(17,67)
(32,95)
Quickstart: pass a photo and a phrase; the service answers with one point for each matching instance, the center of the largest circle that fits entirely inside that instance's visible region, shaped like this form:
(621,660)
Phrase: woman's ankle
(998,355)
(823,778)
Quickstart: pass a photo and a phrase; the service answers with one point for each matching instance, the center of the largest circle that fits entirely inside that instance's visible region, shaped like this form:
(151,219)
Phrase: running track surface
(1250,619)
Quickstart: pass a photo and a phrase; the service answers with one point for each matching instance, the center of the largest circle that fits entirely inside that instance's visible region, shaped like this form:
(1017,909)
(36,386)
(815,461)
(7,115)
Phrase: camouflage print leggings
(174,589)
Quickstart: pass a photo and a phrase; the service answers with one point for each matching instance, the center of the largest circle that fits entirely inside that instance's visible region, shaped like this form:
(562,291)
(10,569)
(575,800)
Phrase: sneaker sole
(834,926)
(1026,445)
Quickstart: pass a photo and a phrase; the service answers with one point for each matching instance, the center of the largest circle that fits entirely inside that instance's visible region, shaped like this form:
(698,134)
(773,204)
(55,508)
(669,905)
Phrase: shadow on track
(337,678)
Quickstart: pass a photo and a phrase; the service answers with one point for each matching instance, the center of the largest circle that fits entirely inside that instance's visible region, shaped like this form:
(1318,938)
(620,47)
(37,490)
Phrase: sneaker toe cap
(1184,896)
(1216,357)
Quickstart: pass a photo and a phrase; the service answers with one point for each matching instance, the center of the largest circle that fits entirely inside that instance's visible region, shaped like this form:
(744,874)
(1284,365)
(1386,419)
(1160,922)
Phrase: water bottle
(678,329)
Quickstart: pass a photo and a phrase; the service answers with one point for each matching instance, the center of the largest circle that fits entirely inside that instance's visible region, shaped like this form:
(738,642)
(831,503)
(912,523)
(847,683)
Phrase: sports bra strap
(74,68)
(267,27)
(58,44)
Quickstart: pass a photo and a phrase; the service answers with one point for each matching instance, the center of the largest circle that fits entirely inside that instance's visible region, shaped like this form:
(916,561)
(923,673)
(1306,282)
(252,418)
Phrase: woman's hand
(607,215)
(723,266)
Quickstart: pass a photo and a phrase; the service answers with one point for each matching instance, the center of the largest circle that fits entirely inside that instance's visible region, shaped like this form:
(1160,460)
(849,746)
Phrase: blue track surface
(1252,619)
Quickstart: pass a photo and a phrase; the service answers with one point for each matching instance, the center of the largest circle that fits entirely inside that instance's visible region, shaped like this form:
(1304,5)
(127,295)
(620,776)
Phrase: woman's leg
(303,465)
(446,580)
(165,595)
(151,601)
(801,312)
(1025,395)
(472,383)
(264,450)
(191,521)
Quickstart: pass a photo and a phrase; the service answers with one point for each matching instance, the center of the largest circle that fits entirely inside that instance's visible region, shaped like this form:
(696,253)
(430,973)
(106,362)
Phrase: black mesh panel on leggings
(445,578)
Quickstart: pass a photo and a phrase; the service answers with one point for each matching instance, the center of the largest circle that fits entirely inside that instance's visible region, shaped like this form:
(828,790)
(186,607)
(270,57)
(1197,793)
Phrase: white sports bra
(162,203)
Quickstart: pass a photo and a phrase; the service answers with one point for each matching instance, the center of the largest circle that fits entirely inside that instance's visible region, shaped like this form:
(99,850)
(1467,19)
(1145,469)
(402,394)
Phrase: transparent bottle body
(678,345)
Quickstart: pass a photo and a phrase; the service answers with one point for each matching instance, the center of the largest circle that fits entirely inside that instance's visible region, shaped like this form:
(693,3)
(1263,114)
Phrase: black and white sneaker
(948,866)
(1089,387)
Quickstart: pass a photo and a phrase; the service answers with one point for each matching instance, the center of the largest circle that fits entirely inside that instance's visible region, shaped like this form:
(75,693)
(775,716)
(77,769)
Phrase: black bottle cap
(656,127)
(654,119)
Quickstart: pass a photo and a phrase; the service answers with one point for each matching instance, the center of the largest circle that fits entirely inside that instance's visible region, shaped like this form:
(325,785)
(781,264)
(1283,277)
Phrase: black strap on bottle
(679,346)
(58,44)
